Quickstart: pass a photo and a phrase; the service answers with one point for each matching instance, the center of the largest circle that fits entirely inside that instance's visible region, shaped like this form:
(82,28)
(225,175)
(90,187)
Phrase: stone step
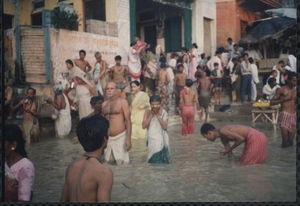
(37,78)
(30,51)
(32,48)
(35,61)
(32,32)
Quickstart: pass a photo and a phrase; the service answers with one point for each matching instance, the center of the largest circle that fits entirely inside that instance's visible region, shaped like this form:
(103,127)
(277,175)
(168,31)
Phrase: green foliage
(64,20)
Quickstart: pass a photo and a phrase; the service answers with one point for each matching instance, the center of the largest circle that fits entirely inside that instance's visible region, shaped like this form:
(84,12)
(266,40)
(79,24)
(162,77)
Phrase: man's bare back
(204,84)
(180,79)
(87,180)
(190,98)
(163,77)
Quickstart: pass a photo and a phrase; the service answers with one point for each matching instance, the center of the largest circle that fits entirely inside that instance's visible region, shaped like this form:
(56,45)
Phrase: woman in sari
(138,106)
(84,93)
(19,171)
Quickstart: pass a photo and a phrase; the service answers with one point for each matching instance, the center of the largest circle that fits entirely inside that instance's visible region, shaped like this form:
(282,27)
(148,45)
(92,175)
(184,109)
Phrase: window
(38,4)
(94,9)
(59,1)
(37,19)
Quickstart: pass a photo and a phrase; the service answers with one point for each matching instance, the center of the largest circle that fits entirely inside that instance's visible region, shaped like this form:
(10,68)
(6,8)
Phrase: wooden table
(256,113)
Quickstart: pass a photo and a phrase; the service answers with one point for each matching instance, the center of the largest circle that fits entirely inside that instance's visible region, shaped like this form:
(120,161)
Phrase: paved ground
(197,172)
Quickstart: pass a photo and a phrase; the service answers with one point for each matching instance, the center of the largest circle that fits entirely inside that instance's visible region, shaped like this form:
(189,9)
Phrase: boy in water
(87,179)
(286,96)
(217,76)
(119,75)
(179,83)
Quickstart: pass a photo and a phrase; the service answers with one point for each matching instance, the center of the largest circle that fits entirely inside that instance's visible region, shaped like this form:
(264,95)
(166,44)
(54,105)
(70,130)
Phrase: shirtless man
(117,111)
(204,91)
(119,75)
(179,83)
(187,99)
(162,88)
(31,112)
(81,63)
(87,179)
(286,96)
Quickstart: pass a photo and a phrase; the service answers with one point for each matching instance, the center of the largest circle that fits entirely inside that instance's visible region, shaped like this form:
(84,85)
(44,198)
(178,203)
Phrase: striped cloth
(255,149)
(287,120)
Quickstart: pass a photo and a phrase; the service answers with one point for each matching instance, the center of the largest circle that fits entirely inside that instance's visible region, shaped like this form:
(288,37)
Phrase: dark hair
(235,45)
(202,55)
(132,44)
(218,52)
(163,65)
(291,75)
(155,98)
(179,65)
(175,54)
(208,58)
(216,64)
(229,39)
(70,62)
(82,51)
(245,54)
(30,88)
(251,60)
(95,99)
(188,82)
(91,132)
(136,82)
(206,127)
(184,49)
(234,59)
(195,45)
(163,59)
(118,57)
(198,67)
(137,36)
(271,80)
(281,62)
(221,50)
(14,134)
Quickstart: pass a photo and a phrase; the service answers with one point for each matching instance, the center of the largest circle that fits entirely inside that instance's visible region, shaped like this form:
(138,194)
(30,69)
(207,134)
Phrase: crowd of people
(109,121)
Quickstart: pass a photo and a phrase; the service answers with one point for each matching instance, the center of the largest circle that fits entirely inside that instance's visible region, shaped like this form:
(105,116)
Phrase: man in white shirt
(215,59)
(255,79)
(230,47)
(246,79)
(235,52)
(171,70)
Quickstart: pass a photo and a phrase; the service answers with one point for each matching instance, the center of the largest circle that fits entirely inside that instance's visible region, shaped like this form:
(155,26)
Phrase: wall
(66,45)
(229,16)
(101,27)
(110,11)
(203,9)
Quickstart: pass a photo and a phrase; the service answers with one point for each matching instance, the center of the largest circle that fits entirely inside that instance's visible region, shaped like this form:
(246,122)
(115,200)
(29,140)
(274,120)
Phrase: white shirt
(230,49)
(170,73)
(214,59)
(245,66)
(254,72)
(172,62)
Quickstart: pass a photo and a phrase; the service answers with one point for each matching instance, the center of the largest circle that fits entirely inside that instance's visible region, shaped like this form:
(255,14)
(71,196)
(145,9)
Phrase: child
(179,83)
(119,75)
(157,139)
(204,90)
(217,76)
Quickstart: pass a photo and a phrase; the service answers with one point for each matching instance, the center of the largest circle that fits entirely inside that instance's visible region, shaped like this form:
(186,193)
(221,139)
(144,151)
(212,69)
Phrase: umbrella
(263,29)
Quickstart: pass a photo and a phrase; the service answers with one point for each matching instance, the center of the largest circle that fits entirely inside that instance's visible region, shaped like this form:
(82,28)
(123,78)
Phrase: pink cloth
(288,120)
(188,120)
(140,46)
(24,173)
(193,64)
(255,149)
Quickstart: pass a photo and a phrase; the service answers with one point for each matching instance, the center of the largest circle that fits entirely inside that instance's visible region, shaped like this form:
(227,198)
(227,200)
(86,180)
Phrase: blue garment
(246,87)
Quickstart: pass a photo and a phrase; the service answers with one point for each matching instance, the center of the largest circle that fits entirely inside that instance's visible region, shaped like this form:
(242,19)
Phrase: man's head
(218,53)
(183,49)
(281,63)
(69,63)
(216,65)
(96,102)
(292,78)
(207,131)
(188,82)
(274,73)
(155,102)
(30,94)
(180,67)
(251,60)
(229,40)
(92,132)
(98,56)
(272,82)
(136,38)
(199,68)
(234,60)
(241,59)
(176,56)
(235,46)
(58,88)
(118,59)
(245,56)
(82,54)
(111,90)
(202,55)
(163,65)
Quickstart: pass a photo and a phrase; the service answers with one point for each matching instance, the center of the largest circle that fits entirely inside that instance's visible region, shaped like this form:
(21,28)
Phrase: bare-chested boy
(31,112)
(87,179)
(286,96)
(81,63)
(117,111)
(204,91)
(188,97)
(162,88)
(179,83)
(119,75)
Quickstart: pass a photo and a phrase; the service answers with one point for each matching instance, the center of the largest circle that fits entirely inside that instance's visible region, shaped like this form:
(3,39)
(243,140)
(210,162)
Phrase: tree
(65,20)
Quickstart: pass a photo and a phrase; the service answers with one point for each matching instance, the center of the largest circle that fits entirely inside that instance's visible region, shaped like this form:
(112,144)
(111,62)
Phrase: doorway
(207,36)
(150,36)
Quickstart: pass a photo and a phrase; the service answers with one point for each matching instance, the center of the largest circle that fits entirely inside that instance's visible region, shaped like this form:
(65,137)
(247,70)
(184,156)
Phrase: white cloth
(97,71)
(253,91)
(224,58)
(245,67)
(254,73)
(230,49)
(270,92)
(83,97)
(172,62)
(157,138)
(134,63)
(279,77)
(63,123)
(116,145)
(293,62)
(214,59)
(172,77)
(254,54)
